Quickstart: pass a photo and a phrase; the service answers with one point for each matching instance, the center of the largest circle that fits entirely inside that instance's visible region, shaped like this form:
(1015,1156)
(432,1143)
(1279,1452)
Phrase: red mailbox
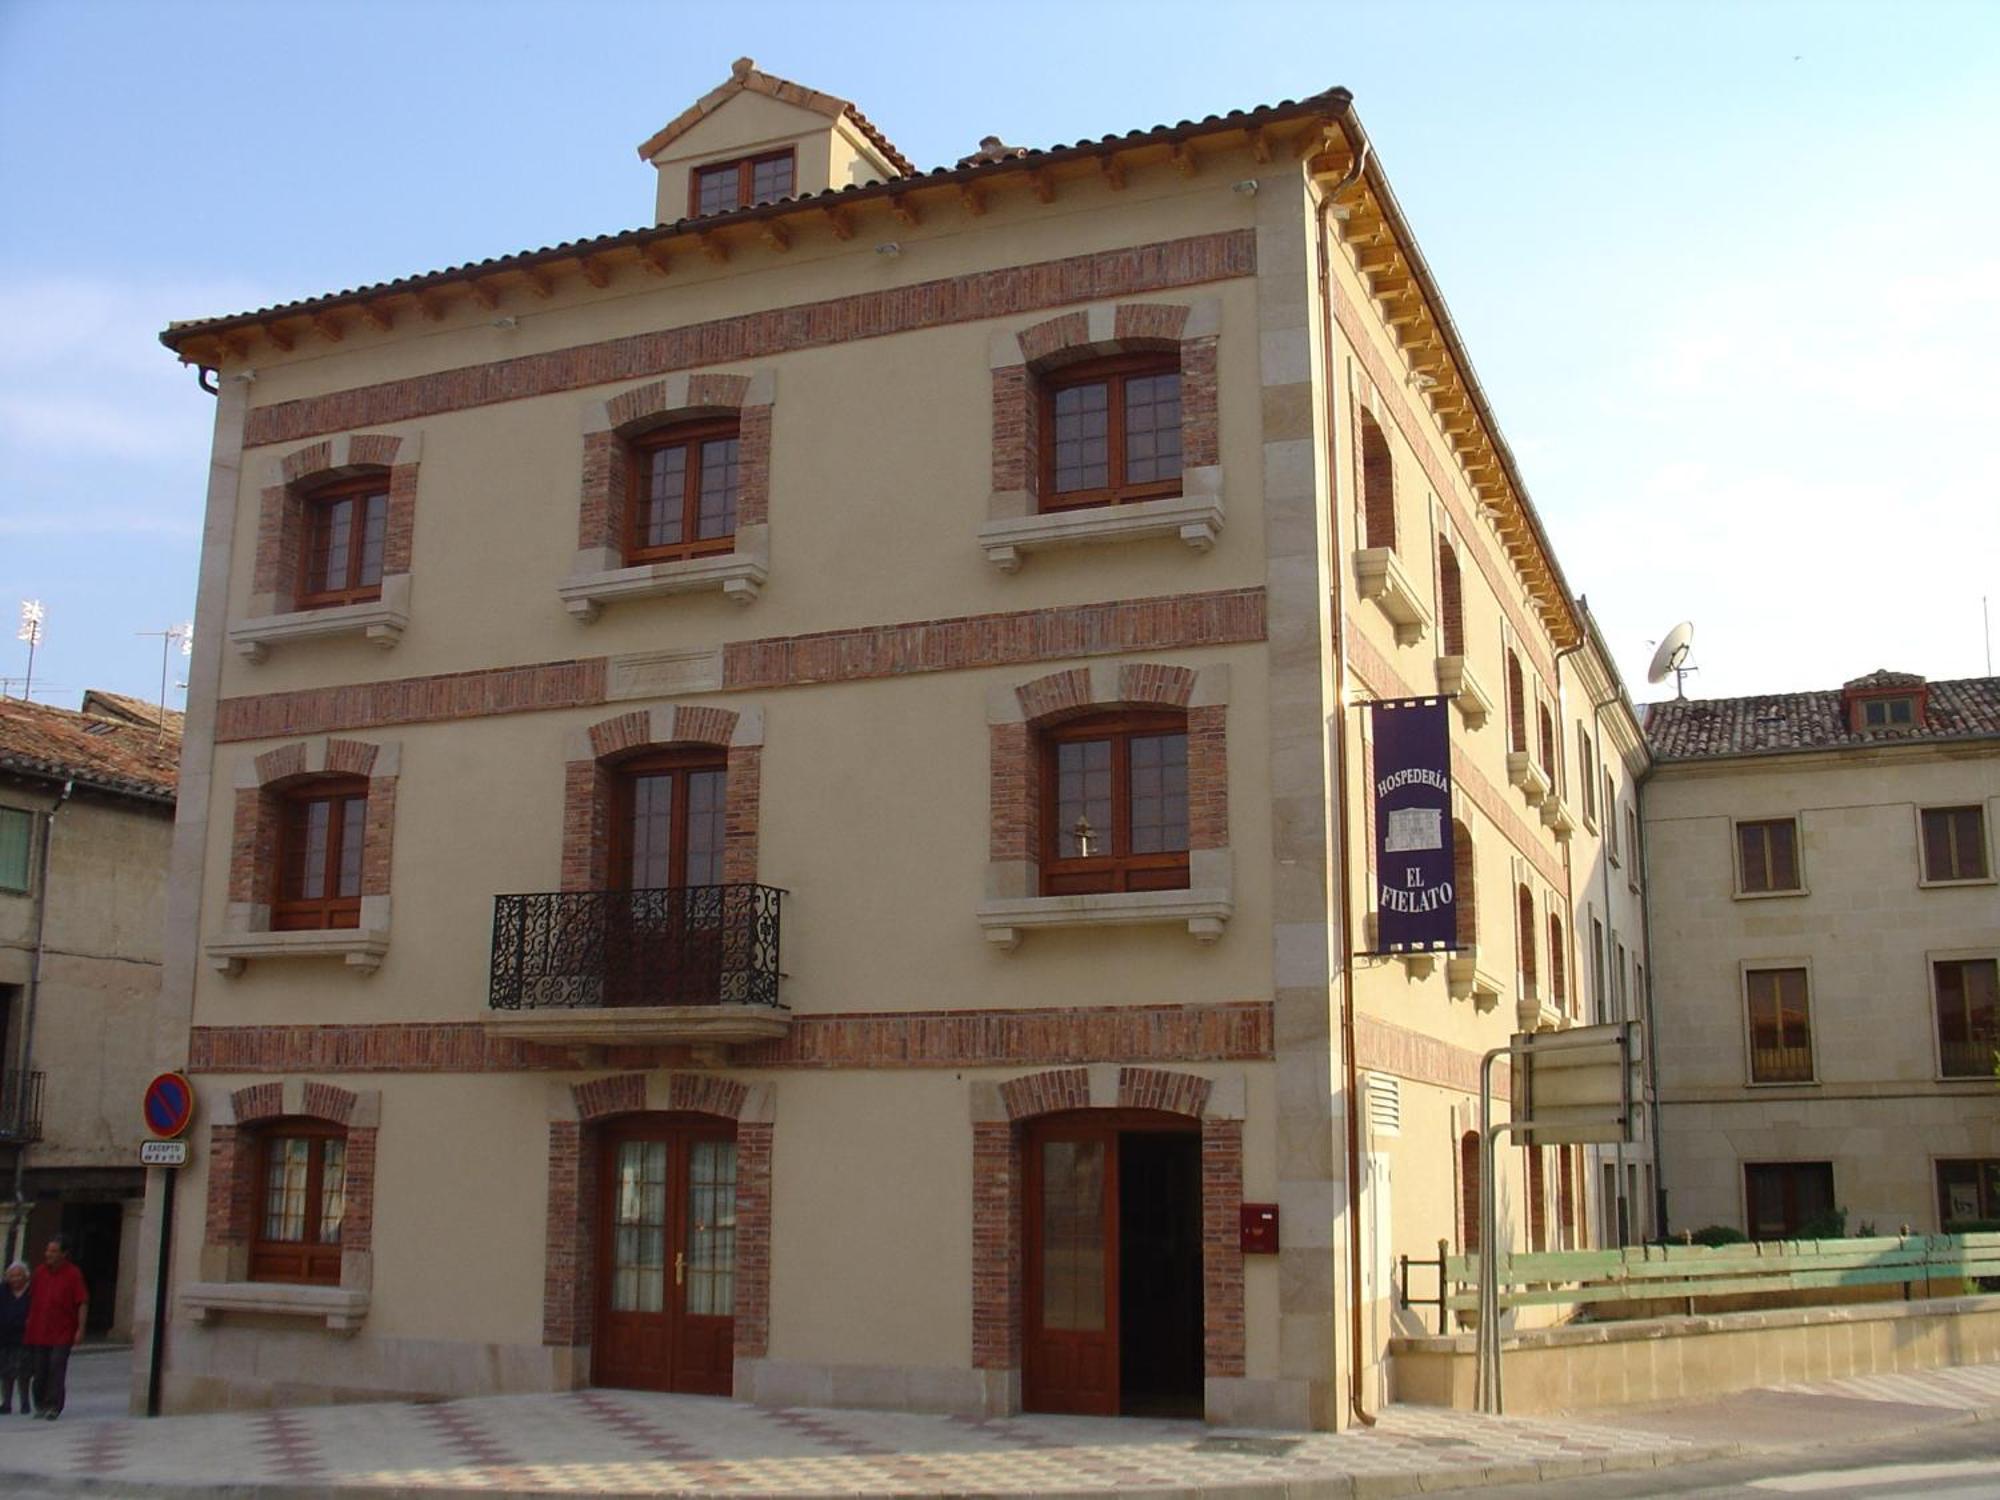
(1259,1228)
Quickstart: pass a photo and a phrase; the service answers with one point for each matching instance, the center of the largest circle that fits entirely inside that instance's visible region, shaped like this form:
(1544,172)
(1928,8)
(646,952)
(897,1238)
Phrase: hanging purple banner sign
(1413,856)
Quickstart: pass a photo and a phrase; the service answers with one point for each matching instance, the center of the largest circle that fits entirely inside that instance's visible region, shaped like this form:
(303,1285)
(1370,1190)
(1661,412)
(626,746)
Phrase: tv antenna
(1672,657)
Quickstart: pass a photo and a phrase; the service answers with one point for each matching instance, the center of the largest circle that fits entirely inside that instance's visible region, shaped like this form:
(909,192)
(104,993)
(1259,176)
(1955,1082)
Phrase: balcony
(1975,1059)
(1456,682)
(1525,774)
(1380,578)
(1781,1065)
(695,964)
(20,1107)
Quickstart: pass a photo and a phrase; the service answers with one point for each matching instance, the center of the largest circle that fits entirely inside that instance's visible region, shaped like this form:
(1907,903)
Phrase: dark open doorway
(1159,1274)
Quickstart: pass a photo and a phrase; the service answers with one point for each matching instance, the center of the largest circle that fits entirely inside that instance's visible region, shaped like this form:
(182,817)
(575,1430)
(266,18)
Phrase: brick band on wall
(1231,1031)
(930,304)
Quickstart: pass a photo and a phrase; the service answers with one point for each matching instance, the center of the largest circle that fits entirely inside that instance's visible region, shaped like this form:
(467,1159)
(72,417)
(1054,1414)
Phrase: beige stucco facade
(80,943)
(899,620)
(1867,930)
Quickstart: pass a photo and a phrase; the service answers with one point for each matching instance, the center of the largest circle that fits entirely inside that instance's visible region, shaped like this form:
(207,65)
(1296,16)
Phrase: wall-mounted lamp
(246,376)
(1247,187)
(891,248)
(1084,838)
(506,322)
(1422,381)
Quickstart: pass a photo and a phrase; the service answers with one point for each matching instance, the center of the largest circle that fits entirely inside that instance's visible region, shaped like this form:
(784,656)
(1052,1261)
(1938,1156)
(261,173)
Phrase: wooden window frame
(309,1260)
(317,502)
(1986,1170)
(1956,874)
(1863,706)
(321,913)
(1525,939)
(1791,1170)
(1776,998)
(27,872)
(1115,372)
(652,763)
(1983,1068)
(1113,872)
(1761,827)
(746,170)
(692,436)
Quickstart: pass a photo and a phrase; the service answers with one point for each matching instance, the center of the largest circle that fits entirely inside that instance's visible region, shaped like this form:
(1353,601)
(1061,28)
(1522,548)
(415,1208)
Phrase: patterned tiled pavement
(615,1443)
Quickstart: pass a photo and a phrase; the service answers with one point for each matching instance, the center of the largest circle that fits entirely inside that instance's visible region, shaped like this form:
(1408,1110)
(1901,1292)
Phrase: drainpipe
(28,1024)
(1572,984)
(1356,1332)
(1652,1029)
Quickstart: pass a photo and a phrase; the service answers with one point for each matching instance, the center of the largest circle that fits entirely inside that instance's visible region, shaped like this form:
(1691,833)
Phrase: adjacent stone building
(776,803)
(1827,924)
(86,819)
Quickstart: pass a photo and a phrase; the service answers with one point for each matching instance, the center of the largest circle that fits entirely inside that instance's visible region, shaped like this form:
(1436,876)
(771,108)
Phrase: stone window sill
(341,1308)
(381,621)
(1203,910)
(1947,885)
(1465,980)
(739,576)
(1380,578)
(1557,817)
(1525,774)
(1456,682)
(362,947)
(1767,895)
(1194,516)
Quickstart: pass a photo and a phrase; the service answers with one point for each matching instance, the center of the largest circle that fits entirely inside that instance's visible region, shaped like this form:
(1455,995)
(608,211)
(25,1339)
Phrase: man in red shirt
(58,1302)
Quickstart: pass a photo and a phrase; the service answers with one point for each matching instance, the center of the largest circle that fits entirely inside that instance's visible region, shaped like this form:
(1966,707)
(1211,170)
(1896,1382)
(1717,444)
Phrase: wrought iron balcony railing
(20,1106)
(1781,1065)
(1973,1059)
(679,946)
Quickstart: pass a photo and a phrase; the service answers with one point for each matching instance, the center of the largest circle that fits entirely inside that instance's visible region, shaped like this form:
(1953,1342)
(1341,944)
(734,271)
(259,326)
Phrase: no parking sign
(169,1105)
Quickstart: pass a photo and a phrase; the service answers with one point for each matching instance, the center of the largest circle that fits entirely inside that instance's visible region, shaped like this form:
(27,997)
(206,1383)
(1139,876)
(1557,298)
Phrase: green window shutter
(15,827)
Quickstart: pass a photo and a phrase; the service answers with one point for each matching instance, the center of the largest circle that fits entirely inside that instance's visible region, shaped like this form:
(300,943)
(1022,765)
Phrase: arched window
(322,825)
(1566,1196)
(1517,705)
(1558,966)
(1451,601)
(1548,742)
(301,1201)
(685,479)
(1111,431)
(1114,791)
(1464,885)
(1526,933)
(346,527)
(1378,484)
(1468,1191)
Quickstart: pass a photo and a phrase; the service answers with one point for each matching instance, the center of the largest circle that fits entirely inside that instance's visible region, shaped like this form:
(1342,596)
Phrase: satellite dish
(1672,657)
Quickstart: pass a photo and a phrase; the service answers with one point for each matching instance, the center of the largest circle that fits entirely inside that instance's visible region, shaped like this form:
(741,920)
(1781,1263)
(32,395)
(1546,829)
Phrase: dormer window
(1887,713)
(1884,703)
(725,186)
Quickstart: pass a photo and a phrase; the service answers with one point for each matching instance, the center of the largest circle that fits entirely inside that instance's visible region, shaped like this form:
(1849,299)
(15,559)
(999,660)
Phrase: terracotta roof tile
(1774,724)
(136,760)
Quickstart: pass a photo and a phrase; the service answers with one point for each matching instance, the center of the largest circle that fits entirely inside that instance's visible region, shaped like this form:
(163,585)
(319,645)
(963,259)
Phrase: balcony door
(1113,1317)
(667,940)
(666,1272)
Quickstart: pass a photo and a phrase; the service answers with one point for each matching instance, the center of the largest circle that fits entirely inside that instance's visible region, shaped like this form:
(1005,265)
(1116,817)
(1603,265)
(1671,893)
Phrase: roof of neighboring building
(95,750)
(745,78)
(129,710)
(1790,723)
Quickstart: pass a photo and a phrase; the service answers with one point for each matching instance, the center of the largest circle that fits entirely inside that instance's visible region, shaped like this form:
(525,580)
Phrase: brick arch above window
(1016,714)
(601,574)
(591,778)
(235,1136)
(1020,360)
(262,782)
(277,614)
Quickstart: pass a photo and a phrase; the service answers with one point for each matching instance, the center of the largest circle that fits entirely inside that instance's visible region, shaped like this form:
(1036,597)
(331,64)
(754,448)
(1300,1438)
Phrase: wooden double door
(666,942)
(666,1254)
(1112,1322)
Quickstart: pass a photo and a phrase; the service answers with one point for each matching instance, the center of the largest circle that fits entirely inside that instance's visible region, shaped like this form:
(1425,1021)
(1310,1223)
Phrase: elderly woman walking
(13,1325)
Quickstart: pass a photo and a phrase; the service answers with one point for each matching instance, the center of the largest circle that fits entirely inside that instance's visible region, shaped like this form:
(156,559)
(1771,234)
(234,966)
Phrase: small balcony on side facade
(687,964)
(20,1107)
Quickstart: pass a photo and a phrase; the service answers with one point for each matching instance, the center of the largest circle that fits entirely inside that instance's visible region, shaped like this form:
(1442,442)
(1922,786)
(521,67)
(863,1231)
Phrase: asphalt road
(100,1384)
(1960,1462)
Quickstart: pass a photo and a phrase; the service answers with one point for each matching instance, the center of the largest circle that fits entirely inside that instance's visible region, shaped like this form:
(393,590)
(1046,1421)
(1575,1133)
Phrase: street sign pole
(169,1176)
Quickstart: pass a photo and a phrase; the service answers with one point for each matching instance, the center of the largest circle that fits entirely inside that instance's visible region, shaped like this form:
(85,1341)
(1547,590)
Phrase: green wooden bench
(1649,1272)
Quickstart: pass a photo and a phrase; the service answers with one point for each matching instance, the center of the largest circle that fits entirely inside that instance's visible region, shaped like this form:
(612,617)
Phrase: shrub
(1831,1225)
(1719,1234)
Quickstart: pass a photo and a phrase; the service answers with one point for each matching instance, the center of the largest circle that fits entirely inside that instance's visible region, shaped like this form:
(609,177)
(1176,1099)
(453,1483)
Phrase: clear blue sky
(1731,273)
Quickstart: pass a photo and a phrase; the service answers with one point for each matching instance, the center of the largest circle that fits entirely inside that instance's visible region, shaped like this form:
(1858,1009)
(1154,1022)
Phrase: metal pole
(160,1290)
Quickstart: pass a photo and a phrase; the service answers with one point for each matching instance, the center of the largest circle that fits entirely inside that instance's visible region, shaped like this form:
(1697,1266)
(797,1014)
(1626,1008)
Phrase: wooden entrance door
(1074,1332)
(669,858)
(666,1262)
